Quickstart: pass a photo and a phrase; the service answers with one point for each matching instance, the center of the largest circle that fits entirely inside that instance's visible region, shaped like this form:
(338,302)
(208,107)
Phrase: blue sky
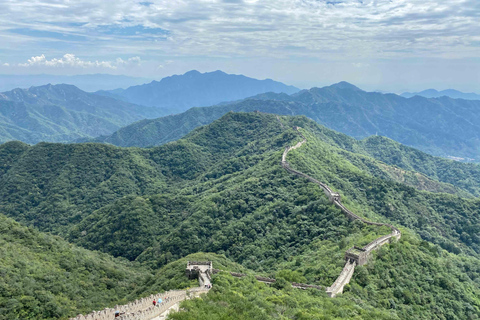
(390,45)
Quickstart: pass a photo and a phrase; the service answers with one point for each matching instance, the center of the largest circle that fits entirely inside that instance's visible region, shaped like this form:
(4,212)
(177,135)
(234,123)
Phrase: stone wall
(342,280)
(143,308)
(351,259)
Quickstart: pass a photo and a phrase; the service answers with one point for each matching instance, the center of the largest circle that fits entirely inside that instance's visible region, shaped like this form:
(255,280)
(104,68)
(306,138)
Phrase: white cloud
(276,28)
(267,37)
(132,60)
(360,65)
(6,64)
(70,60)
(164,64)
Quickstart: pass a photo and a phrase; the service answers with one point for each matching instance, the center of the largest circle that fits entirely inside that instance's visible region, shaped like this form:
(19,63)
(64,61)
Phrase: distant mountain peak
(178,93)
(192,73)
(198,73)
(451,93)
(217,72)
(55,89)
(62,112)
(345,85)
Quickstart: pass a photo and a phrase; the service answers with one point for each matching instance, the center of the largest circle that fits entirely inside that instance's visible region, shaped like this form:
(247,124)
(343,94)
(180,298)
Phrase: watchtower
(194,268)
(357,254)
(335,197)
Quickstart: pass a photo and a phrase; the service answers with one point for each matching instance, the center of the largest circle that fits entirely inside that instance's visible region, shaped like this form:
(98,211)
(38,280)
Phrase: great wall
(354,256)
(143,309)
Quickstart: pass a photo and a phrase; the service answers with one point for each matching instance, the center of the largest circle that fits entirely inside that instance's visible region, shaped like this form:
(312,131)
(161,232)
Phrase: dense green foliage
(45,277)
(411,279)
(221,189)
(461,175)
(450,221)
(440,126)
(232,299)
(419,281)
(172,275)
(62,113)
(54,185)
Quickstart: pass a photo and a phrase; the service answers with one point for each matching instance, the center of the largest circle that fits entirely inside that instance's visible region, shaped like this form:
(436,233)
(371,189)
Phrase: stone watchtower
(334,197)
(357,254)
(195,268)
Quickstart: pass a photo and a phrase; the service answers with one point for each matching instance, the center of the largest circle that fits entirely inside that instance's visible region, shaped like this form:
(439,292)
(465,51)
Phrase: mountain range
(439,126)
(61,113)
(432,93)
(222,189)
(86,82)
(178,93)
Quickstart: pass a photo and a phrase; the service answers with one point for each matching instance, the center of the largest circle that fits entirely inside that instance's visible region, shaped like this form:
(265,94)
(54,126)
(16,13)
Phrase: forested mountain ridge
(61,113)
(439,126)
(222,189)
(432,93)
(57,186)
(178,93)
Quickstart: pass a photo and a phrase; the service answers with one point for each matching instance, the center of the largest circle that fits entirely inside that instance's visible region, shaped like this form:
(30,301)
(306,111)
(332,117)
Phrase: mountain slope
(432,93)
(61,113)
(222,189)
(45,277)
(442,127)
(194,89)
(64,188)
(65,182)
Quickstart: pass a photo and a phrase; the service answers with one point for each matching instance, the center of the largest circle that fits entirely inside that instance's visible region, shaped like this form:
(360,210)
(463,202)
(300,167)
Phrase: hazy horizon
(143,80)
(396,46)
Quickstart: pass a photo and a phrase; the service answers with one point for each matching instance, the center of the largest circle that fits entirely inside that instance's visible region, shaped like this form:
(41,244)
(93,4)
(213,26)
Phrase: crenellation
(143,309)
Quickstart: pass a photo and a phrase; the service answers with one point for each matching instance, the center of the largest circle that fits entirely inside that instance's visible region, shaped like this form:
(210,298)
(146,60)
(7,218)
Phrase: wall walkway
(143,309)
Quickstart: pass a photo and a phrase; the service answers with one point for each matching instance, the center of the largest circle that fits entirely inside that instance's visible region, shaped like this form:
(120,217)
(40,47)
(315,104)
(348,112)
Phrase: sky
(389,45)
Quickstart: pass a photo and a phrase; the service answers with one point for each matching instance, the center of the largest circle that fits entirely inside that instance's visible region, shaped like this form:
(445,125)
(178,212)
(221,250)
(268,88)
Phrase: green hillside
(440,126)
(45,277)
(62,113)
(408,280)
(221,189)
